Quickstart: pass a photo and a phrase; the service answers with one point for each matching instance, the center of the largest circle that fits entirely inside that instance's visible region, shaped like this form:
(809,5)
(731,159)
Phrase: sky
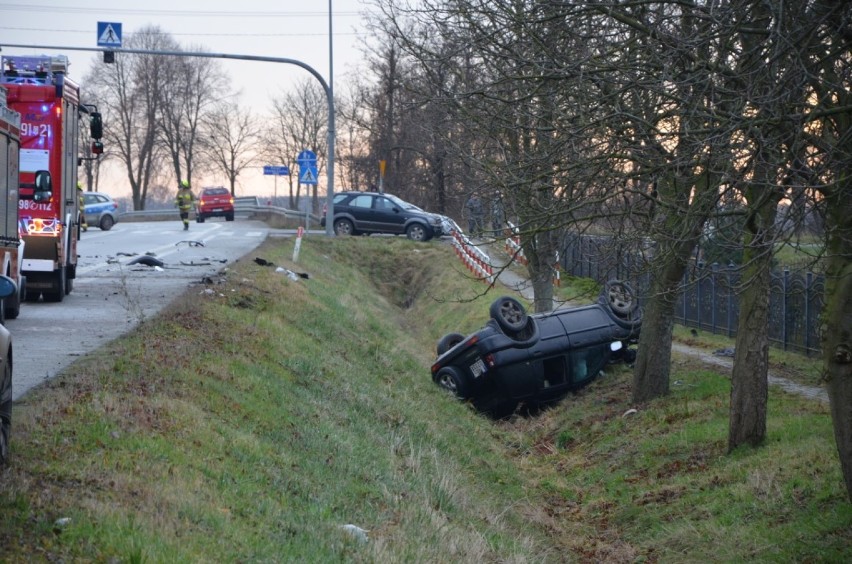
(292,29)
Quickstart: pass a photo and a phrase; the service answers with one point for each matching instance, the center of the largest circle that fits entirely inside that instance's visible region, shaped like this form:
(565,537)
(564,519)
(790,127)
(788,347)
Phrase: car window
(362,201)
(586,363)
(89,199)
(402,203)
(215,191)
(101,199)
(384,204)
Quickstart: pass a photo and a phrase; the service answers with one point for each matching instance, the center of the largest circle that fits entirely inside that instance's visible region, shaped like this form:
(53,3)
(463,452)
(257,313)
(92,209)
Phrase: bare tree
(300,122)
(230,140)
(128,93)
(194,87)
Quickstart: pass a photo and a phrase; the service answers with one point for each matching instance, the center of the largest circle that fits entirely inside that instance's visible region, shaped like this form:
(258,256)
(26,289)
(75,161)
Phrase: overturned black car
(536,360)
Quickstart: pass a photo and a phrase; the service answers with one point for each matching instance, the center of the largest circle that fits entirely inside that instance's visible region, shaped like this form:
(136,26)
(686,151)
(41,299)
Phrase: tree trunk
(749,378)
(837,326)
(653,359)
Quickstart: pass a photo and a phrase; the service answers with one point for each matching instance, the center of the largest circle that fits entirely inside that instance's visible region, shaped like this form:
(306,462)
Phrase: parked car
(214,202)
(537,359)
(100,210)
(7,288)
(371,212)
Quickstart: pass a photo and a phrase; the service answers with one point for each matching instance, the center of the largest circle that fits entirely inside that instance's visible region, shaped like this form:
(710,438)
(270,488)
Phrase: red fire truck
(48,211)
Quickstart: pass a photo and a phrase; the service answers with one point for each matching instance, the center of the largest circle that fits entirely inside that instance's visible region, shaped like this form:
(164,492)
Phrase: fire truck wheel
(5,410)
(59,282)
(12,306)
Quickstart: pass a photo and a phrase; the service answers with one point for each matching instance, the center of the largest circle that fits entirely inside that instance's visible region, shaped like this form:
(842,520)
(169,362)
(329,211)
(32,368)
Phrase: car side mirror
(7,287)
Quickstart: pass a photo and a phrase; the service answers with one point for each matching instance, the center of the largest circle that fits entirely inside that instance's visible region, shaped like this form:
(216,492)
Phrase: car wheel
(620,298)
(509,314)
(107,222)
(229,217)
(200,219)
(344,227)
(416,232)
(448,341)
(453,381)
(5,410)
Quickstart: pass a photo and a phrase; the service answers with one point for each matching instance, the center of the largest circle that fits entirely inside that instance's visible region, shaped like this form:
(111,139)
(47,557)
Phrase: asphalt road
(111,296)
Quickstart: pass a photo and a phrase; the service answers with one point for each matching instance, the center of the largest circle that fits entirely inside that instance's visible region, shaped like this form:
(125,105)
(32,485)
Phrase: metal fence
(709,293)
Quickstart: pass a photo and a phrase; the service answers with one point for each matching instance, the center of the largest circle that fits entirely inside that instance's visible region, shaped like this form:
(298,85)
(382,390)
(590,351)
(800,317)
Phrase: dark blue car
(536,360)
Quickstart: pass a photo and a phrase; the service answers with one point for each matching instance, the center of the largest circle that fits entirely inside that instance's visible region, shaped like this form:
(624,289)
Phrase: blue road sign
(307,174)
(276,170)
(307,158)
(109,34)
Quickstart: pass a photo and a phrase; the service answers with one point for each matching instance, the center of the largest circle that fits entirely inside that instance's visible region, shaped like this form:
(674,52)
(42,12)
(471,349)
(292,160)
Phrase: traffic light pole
(329,222)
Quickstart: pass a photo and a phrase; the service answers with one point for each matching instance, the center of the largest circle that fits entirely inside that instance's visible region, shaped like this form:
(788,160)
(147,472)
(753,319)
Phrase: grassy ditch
(255,421)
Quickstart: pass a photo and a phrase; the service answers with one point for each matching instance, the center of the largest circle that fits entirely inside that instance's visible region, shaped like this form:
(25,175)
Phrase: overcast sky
(293,29)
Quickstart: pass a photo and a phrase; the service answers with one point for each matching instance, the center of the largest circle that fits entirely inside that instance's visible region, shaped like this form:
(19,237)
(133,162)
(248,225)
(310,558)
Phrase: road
(111,296)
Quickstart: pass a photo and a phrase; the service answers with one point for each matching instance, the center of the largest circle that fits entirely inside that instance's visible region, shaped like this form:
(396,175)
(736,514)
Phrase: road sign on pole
(307,167)
(276,170)
(109,34)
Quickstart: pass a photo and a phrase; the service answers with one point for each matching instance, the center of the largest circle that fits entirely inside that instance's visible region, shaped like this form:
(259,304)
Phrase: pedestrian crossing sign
(109,34)
(308,175)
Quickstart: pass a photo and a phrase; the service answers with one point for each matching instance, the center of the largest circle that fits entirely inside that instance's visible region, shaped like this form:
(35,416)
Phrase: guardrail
(276,217)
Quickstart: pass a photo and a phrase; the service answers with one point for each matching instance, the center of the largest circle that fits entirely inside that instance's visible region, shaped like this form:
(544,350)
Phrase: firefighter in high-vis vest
(184,202)
(83,225)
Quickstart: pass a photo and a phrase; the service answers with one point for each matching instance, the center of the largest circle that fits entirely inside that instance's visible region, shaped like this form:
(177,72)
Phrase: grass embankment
(252,424)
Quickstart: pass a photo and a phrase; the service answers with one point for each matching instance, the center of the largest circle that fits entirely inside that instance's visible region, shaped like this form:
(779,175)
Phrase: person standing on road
(476,214)
(83,225)
(184,201)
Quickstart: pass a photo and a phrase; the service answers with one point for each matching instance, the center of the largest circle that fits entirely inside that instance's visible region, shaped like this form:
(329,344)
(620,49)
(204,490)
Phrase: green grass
(251,424)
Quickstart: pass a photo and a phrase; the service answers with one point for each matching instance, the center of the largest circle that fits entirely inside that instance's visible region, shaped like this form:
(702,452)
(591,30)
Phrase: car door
(360,209)
(93,205)
(388,217)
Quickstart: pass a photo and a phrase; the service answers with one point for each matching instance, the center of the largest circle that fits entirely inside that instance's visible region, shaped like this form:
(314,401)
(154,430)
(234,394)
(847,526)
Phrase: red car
(214,202)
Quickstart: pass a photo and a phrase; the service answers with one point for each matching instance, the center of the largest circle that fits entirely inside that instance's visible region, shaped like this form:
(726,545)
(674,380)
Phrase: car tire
(200,219)
(509,314)
(12,306)
(620,298)
(448,341)
(343,227)
(452,380)
(5,410)
(229,217)
(416,232)
(106,223)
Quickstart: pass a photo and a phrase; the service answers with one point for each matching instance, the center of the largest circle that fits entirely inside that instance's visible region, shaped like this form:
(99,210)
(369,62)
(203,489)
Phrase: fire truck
(39,89)
(10,241)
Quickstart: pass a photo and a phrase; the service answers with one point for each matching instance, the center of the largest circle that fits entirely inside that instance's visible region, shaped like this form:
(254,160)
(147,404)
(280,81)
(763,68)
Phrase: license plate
(477,368)
(217,209)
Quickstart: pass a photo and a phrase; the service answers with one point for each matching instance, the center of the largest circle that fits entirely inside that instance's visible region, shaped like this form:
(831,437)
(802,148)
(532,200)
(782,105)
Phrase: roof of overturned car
(537,359)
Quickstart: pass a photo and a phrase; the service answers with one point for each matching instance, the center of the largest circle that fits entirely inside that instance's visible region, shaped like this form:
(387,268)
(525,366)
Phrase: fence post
(713,304)
(808,282)
(730,316)
(786,288)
